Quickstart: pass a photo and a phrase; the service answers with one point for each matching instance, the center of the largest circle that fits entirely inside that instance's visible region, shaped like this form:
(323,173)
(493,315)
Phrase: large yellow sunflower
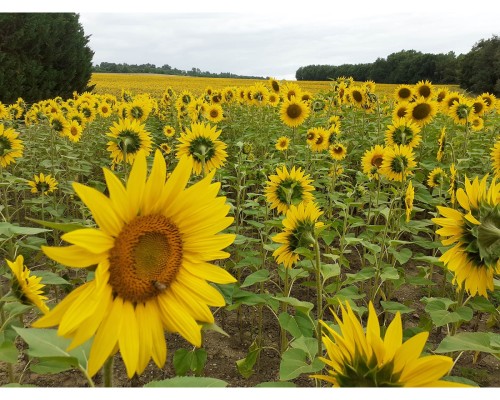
(403,131)
(153,250)
(288,188)
(10,146)
(372,161)
(294,112)
(27,288)
(128,137)
(422,111)
(298,231)
(474,234)
(401,110)
(213,113)
(398,163)
(200,142)
(43,184)
(73,131)
(356,358)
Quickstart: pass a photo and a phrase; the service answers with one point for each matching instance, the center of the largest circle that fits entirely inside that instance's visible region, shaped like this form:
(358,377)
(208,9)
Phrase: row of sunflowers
(362,224)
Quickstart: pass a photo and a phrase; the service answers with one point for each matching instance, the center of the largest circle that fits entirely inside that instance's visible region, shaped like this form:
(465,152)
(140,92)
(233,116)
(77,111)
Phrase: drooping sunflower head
(403,131)
(337,151)
(436,177)
(495,158)
(128,137)
(371,162)
(335,122)
(299,227)
(449,100)
(260,94)
(43,184)
(166,148)
(452,190)
(409,197)
(294,112)
(398,163)
(422,111)
(10,146)
(26,287)
(153,248)
(359,358)
(288,188)
(473,231)
(403,93)
(200,142)
(441,94)
(282,143)
(275,85)
(58,122)
(441,144)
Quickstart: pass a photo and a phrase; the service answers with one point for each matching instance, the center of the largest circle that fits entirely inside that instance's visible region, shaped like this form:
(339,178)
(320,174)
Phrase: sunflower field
(197,232)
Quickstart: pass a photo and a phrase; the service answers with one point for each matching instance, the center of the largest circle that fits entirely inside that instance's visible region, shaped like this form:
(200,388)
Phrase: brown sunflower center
(404,93)
(377,161)
(146,258)
(421,111)
(214,113)
(357,96)
(424,91)
(294,111)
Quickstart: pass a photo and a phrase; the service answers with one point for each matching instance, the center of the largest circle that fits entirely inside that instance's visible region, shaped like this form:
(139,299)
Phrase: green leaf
(189,360)
(188,382)
(374,248)
(8,352)
(45,343)
(245,365)
(479,303)
(50,278)
(8,230)
(303,306)
(307,344)
(363,275)
(401,255)
(394,307)
(214,327)
(329,271)
(294,363)
(389,273)
(298,325)
(486,342)
(257,277)
(59,226)
(53,365)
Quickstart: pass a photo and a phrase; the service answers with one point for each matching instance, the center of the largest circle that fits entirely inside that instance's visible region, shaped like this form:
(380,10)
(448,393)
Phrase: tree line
(164,69)
(477,71)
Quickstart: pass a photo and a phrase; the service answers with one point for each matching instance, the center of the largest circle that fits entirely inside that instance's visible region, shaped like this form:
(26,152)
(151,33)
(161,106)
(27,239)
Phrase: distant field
(155,84)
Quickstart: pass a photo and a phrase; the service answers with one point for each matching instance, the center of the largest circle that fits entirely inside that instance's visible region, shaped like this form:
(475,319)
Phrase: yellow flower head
(43,184)
(27,288)
(288,188)
(359,358)
(294,112)
(10,146)
(152,250)
(282,143)
(200,142)
(472,230)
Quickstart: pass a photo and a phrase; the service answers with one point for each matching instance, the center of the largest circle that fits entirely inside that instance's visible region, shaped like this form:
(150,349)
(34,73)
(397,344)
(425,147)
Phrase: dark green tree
(43,55)
(480,67)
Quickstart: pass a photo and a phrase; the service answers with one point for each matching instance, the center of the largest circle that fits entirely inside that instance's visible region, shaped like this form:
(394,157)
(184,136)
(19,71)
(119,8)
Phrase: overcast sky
(275,37)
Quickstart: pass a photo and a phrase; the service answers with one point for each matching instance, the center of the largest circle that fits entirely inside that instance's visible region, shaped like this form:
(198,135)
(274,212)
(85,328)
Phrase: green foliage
(43,55)
(480,68)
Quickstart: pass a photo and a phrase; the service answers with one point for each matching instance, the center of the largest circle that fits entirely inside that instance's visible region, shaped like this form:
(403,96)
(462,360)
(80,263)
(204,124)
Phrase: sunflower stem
(286,290)
(107,371)
(319,295)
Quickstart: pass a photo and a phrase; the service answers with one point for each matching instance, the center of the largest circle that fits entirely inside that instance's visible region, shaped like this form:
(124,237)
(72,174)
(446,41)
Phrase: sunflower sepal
(488,239)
